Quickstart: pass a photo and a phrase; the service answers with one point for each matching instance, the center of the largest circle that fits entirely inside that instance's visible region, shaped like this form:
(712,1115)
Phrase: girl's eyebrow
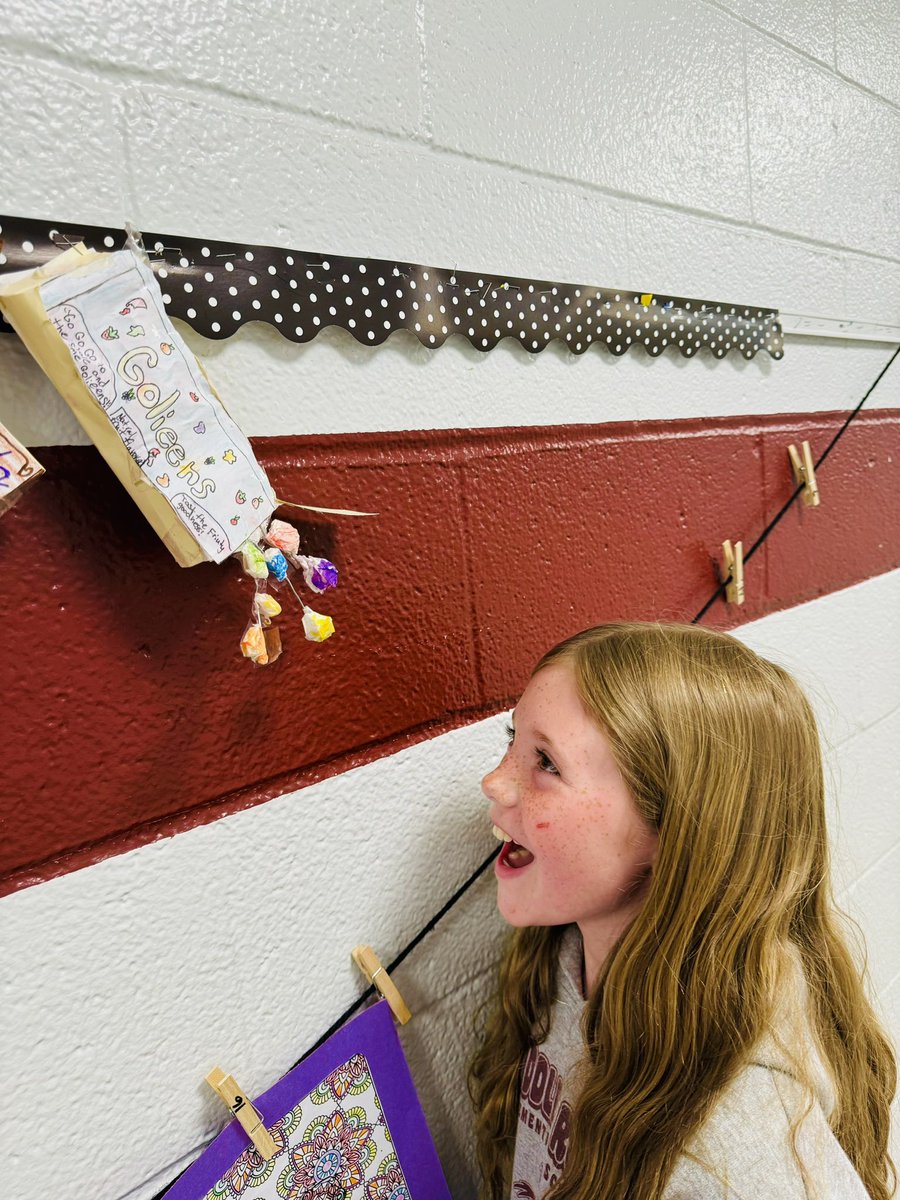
(542,737)
(538,735)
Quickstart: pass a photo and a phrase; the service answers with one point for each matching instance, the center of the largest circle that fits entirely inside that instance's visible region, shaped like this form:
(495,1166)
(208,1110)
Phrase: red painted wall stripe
(131,714)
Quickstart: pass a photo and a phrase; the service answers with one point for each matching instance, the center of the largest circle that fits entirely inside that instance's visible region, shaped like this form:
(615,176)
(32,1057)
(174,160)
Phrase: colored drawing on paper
(156,398)
(335,1143)
(347,1125)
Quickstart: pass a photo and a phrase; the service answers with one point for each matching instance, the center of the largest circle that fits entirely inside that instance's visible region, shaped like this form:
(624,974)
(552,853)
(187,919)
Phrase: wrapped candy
(253,644)
(284,537)
(276,563)
(253,561)
(273,643)
(266,607)
(317,626)
(318,573)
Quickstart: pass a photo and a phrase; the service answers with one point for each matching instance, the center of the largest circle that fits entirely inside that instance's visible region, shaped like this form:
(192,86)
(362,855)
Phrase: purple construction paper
(374,1035)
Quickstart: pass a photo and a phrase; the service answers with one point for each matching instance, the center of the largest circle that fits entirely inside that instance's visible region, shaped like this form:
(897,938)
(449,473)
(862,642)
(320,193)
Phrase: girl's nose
(498,785)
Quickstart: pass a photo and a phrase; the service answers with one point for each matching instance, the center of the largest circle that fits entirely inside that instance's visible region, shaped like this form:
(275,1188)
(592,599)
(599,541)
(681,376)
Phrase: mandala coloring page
(334,1145)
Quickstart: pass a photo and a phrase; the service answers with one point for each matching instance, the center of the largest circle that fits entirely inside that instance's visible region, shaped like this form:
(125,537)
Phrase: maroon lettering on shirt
(558,1144)
(541,1085)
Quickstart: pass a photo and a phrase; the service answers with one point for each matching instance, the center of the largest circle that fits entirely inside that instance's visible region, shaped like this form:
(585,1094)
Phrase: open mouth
(513,854)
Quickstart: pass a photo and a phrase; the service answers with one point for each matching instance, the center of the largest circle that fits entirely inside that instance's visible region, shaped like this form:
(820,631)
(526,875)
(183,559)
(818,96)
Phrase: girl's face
(581,851)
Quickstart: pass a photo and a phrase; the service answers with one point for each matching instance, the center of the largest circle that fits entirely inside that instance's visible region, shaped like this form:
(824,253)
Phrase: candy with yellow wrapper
(318,627)
(266,606)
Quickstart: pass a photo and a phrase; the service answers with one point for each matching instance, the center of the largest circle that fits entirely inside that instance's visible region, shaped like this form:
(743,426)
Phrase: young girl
(678,1016)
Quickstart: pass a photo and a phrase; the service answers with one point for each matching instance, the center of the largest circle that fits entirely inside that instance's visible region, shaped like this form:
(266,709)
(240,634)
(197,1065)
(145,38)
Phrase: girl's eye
(545,763)
(510,733)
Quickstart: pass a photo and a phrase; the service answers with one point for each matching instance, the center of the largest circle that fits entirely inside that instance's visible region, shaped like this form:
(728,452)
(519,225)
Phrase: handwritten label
(198,519)
(91,363)
(130,435)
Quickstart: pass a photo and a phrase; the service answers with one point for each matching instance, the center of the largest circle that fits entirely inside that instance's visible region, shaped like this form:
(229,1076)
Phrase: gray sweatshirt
(743,1150)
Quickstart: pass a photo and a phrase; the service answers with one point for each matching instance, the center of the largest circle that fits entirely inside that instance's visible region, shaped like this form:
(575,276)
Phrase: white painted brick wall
(746,150)
(807,26)
(817,152)
(867,44)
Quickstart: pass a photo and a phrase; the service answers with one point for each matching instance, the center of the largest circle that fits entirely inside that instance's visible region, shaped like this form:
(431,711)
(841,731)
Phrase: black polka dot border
(218,286)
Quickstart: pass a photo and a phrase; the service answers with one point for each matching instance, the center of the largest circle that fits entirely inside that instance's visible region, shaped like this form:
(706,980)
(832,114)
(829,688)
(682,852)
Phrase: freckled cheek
(577,837)
(563,846)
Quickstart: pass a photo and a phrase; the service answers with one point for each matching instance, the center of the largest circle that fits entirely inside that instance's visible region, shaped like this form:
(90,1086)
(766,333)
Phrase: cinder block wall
(744,151)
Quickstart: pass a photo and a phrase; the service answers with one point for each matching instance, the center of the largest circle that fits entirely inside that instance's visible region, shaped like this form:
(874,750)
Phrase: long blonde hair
(720,752)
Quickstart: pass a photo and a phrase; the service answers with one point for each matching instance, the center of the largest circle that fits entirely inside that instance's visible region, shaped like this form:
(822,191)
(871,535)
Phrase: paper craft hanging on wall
(18,469)
(218,286)
(347,1124)
(97,324)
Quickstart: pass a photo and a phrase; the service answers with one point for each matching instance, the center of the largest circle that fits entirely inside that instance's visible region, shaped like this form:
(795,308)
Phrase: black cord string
(407,949)
(798,491)
(476,874)
(370,990)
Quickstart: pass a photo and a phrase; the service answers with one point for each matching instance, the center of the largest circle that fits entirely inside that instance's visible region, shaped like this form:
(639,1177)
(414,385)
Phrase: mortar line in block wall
(887,987)
(664,206)
(872,868)
(468,547)
(424,84)
(133,76)
(834,33)
(132,73)
(260,792)
(863,729)
(444,446)
(766,557)
(748,153)
(419,143)
(133,195)
(827,68)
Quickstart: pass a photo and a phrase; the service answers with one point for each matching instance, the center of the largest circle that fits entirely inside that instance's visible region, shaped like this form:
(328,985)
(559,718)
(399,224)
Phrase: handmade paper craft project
(98,326)
(347,1125)
(18,468)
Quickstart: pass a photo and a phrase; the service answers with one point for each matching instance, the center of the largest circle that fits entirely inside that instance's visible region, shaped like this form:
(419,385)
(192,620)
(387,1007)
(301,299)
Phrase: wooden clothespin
(228,1091)
(733,569)
(367,961)
(805,473)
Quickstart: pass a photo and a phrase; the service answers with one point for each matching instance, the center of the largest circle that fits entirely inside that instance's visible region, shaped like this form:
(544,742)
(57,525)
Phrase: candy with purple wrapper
(318,573)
